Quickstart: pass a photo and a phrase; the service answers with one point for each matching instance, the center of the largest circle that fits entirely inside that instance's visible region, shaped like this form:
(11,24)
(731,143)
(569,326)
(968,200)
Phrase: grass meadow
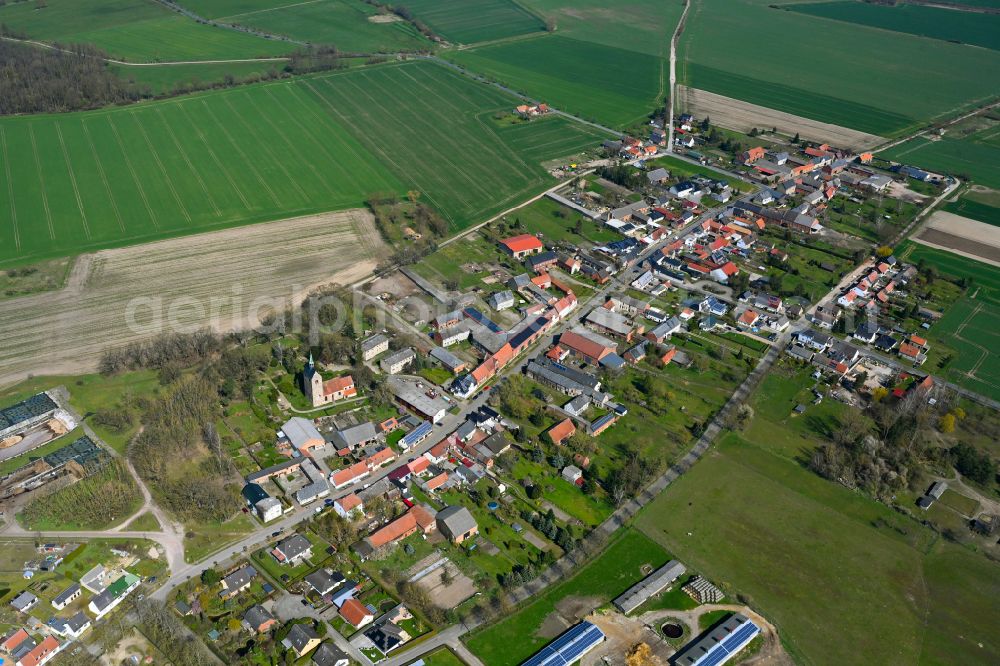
(969,331)
(934,22)
(342,23)
(516,637)
(976,210)
(470,21)
(976,156)
(610,85)
(856,76)
(264,152)
(166,78)
(134,30)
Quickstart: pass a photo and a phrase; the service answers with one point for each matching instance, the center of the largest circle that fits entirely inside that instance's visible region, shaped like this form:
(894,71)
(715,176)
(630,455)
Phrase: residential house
(258,619)
(522,246)
(349,506)
(302,639)
(562,431)
(396,363)
(327,654)
(356,613)
(113,594)
(713,306)
(292,550)
(502,300)
(373,346)
(664,330)
(572,473)
(238,581)
(324,581)
(70,627)
(24,602)
(456,523)
(67,596)
(417,518)
(41,653)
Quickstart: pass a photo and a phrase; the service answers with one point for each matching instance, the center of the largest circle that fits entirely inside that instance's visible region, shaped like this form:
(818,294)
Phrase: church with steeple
(327,392)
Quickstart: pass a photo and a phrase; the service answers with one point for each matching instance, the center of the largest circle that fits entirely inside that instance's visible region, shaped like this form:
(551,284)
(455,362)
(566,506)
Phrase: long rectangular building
(652,584)
(721,643)
(569,648)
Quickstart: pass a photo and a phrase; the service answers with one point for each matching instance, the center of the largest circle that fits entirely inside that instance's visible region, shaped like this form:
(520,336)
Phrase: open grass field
(519,635)
(134,30)
(342,23)
(643,26)
(470,21)
(969,331)
(784,66)
(166,78)
(936,23)
(264,152)
(976,156)
(603,83)
(807,554)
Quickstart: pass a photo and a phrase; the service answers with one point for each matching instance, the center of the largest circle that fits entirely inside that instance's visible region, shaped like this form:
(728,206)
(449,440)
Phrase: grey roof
(240,577)
(448,360)
(666,328)
(299,430)
(715,641)
(577,405)
(373,342)
(501,297)
(294,546)
(654,583)
(324,581)
(256,616)
(328,654)
(63,597)
(354,435)
(455,520)
(311,491)
(300,635)
(24,600)
(610,320)
(657,175)
(402,356)
(417,398)
(77,622)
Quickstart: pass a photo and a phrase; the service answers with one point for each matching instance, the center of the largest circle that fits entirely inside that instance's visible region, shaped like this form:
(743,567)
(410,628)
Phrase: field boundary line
(267,149)
(187,159)
(291,148)
(236,146)
(225,19)
(473,185)
(349,175)
(163,171)
(72,180)
(211,153)
(334,128)
(10,189)
(135,176)
(104,178)
(41,181)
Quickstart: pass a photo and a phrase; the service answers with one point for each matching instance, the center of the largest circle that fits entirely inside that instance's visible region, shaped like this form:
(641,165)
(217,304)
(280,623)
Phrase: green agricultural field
(807,553)
(936,23)
(470,21)
(342,23)
(974,209)
(603,83)
(643,26)
(165,78)
(517,636)
(265,152)
(969,331)
(976,156)
(740,48)
(134,30)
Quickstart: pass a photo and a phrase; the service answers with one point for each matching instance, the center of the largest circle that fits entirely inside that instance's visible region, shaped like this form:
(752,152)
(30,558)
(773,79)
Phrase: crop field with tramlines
(134,30)
(76,182)
(469,21)
(342,23)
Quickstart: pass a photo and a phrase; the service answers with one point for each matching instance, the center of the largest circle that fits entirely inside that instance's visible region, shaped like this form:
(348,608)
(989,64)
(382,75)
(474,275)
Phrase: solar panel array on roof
(84,451)
(33,407)
(721,643)
(569,647)
(476,315)
(416,434)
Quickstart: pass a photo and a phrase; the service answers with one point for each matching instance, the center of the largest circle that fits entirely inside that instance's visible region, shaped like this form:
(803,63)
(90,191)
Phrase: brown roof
(584,345)
(402,527)
(354,612)
(560,431)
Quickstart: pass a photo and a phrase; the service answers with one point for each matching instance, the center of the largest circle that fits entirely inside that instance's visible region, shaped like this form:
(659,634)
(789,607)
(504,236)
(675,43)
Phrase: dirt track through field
(224,279)
(744,116)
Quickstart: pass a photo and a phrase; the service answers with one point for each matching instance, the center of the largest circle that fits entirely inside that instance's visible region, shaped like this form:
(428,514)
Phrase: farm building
(521,246)
(456,523)
(569,648)
(721,643)
(652,584)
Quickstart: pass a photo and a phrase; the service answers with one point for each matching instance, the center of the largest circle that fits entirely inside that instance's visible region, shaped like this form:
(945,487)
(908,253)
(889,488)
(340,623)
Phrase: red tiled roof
(39,652)
(917,340)
(345,383)
(437,481)
(419,465)
(14,640)
(354,612)
(582,345)
(380,457)
(349,502)
(350,473)
(908,350)
(522,243)
(561,431)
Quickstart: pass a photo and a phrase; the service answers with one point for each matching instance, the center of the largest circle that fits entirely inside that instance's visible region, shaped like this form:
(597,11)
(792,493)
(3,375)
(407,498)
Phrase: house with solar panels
(569,648)
(720,644)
